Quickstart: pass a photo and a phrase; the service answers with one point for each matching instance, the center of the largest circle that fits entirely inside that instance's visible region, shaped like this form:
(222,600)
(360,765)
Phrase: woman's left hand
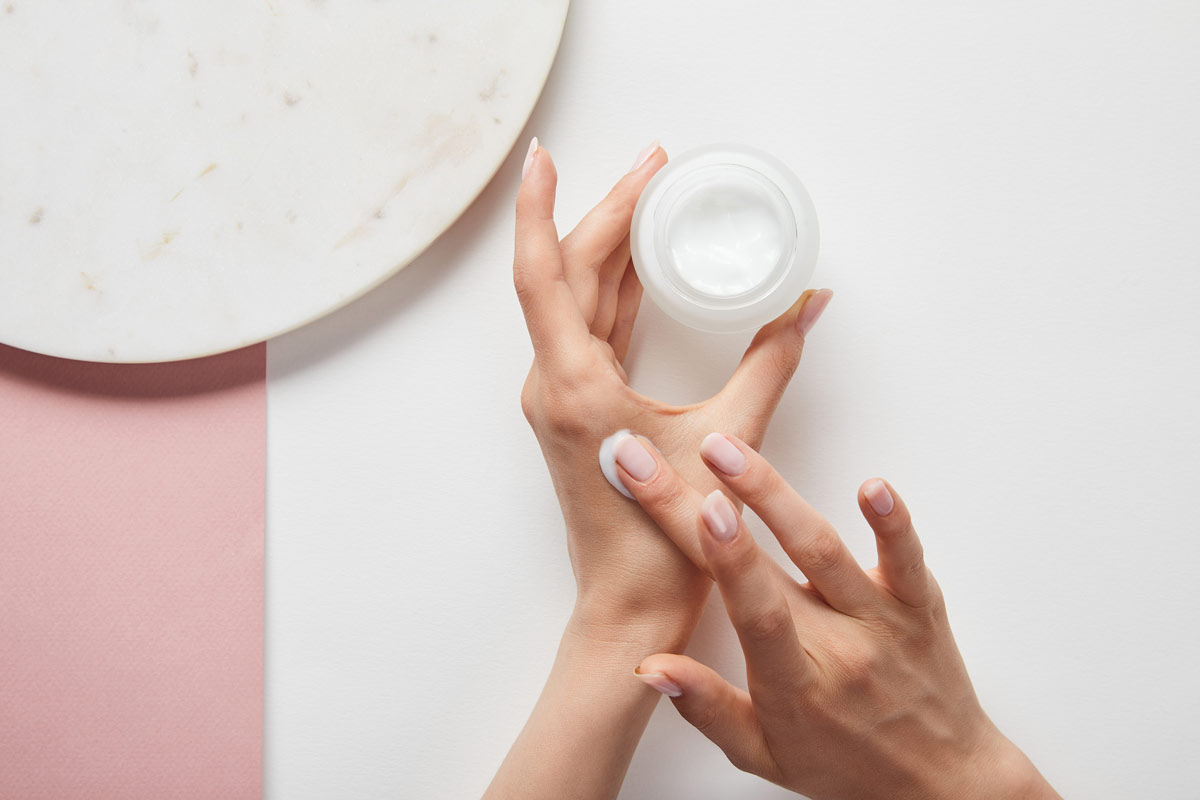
(637,592)
(580,298)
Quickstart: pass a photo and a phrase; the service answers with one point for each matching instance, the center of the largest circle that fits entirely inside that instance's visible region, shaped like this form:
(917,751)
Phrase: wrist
(612,629)
(1001,771)
(1021,780)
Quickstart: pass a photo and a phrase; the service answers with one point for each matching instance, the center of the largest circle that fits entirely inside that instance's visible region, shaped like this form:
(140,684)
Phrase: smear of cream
(608,461)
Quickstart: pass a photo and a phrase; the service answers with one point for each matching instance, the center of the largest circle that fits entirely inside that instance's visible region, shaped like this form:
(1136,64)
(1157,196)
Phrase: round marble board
(180,179)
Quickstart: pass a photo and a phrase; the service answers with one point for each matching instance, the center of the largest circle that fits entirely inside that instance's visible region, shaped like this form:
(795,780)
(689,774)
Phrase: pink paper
(131,577)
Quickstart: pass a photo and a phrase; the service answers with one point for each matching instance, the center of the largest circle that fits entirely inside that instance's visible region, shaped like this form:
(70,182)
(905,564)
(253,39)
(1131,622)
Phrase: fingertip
(656,160)
(878,497)
(529,157)
(883,507)
(901,555)
(723,713)
(652,152)
(669,673)
(720,518)
(722,455)
(629,188)
(659,681)
(812,310)
(539,179)
(635,456)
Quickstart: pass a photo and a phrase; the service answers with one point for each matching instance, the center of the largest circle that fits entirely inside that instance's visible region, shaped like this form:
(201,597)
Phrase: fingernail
(659,682)
(723,454)
(879,498)
(812,309)
(635,459)
(643,156)
(533,146)
(719,516)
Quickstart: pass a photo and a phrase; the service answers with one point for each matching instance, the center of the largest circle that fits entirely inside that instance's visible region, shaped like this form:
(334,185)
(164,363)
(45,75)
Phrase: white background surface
(1009,203)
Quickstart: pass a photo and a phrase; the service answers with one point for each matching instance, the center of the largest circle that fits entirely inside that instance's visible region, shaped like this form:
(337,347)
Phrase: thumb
(716,708)
(759,381)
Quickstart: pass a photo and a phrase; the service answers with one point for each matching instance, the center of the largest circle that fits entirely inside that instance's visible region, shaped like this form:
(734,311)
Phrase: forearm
(582,734)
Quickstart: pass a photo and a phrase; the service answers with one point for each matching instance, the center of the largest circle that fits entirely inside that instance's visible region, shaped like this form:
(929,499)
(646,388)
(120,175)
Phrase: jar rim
(654,261)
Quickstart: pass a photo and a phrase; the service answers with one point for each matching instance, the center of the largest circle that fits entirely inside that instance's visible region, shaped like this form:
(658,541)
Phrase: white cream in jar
(724,238)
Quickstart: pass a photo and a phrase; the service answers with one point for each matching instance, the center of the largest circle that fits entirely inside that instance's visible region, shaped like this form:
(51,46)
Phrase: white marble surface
(178,179)
(1008,205)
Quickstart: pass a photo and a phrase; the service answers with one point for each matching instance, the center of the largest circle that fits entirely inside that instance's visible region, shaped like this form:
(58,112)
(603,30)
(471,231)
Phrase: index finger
(711,533)
(555,325)
(662,492)
(806,536)
(777,666)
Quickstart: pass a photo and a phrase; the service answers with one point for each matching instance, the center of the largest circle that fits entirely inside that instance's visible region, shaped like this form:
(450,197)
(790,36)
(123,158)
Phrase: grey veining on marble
(179,179)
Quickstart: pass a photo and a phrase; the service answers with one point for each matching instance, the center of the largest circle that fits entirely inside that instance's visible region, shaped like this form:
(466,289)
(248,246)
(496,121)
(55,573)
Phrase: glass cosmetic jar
(724,238)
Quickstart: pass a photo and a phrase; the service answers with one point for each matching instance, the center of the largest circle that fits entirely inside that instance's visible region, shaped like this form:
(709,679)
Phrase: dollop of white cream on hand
(608,461)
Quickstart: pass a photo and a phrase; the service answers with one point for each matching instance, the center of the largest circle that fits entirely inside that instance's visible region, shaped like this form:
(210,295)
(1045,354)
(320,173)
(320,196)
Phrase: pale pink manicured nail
(635,459)
(719,516)
(879,498)
(533,146)
(723,454)
(812,309)
(659,682)
(644,155)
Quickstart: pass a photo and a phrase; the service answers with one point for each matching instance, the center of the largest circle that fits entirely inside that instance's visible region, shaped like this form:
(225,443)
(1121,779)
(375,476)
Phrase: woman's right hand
(856,687)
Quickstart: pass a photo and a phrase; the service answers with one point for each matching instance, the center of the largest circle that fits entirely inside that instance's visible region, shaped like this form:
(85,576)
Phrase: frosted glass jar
(724,238)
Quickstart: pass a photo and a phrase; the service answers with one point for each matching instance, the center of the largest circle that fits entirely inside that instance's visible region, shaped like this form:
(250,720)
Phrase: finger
(777,667)
(601,230)
(758,383)
(607,298)
(629,300)
(555,325)
(716,708)
(901,556)
(806,536)
(663,494)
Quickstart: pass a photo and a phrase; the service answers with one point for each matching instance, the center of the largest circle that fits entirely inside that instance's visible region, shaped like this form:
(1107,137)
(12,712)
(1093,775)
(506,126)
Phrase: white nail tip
(533,146)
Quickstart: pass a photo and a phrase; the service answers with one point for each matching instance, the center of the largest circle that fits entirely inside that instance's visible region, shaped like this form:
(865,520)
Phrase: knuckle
(742,759)
(738,760)
(769,625)
(821,553)
(704,719)
(663,492)
(562,420)
(740,561)
(529,405)
(858,665)
(915,567)
(937,604)
(557,407)
(781,366)
(896,526)
(620,202)
(572,252)
(758,487)
(522,274)
(573,375)
(926,621)
(921,633)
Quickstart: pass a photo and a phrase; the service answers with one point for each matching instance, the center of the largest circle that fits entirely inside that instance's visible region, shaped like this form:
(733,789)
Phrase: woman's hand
(856,687)
(580,297)
(637,592)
